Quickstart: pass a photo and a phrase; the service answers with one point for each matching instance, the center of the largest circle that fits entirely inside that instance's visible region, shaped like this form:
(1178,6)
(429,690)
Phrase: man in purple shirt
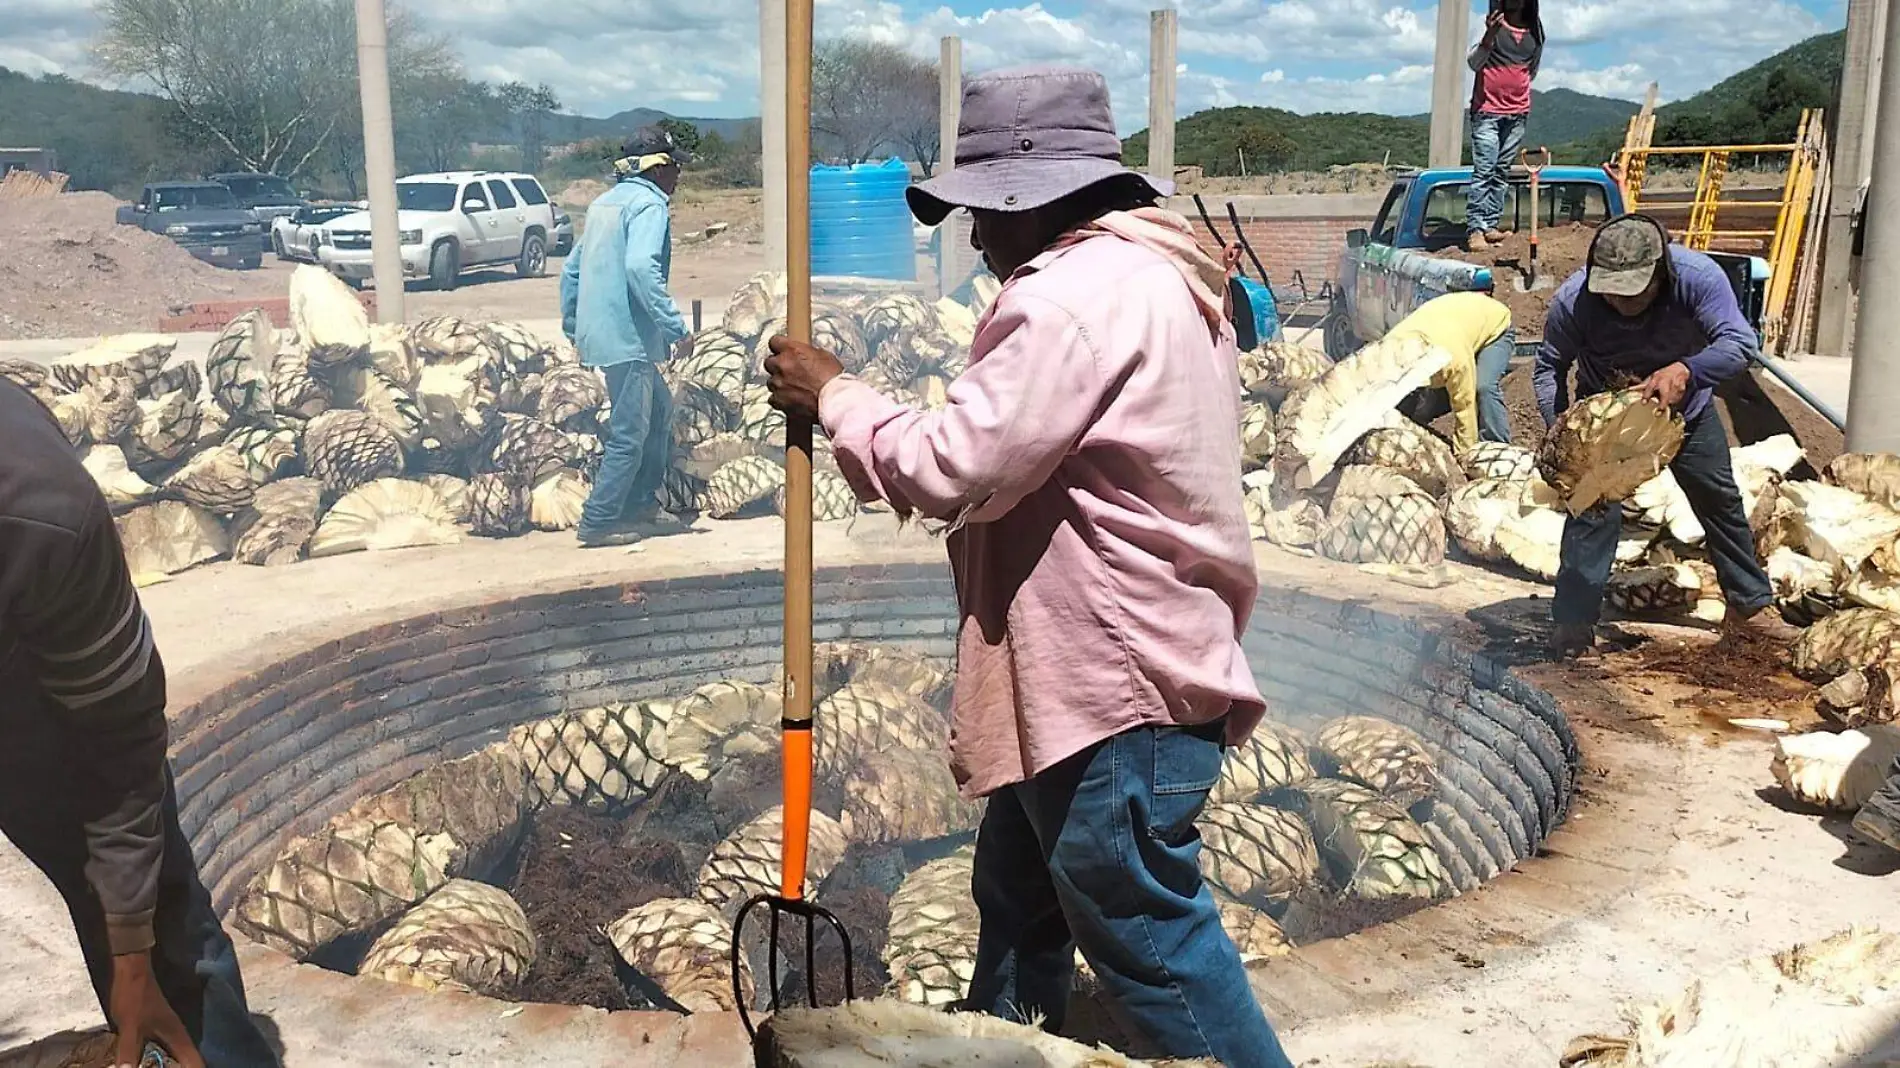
(1645,311)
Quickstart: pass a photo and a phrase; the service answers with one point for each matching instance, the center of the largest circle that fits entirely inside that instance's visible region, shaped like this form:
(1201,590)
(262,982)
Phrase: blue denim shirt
(614,303)
(1695,320)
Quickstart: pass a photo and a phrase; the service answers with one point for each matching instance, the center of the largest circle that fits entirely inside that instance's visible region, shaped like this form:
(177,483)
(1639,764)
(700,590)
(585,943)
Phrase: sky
(700,57)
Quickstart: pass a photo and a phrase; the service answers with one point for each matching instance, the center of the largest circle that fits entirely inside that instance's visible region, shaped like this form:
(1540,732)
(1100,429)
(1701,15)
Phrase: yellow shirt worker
(1476,329)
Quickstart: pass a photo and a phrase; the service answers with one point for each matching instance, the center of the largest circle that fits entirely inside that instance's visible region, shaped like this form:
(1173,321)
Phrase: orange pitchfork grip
(798,442)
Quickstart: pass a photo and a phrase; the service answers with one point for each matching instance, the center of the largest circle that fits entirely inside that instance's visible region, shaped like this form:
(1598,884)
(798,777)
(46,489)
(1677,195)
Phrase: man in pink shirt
(1088,466)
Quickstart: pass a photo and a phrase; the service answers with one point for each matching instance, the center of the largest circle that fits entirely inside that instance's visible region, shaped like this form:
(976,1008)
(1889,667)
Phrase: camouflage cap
(1624,255)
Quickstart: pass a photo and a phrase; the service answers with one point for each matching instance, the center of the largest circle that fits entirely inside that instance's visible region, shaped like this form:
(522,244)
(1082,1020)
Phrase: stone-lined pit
(279,753)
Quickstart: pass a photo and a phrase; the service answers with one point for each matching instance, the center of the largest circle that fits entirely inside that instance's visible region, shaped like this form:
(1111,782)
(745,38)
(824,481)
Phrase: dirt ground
(69,270)
(1560,253)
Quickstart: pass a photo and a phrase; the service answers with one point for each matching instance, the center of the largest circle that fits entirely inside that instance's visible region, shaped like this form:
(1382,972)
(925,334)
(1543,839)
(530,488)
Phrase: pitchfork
(796,724)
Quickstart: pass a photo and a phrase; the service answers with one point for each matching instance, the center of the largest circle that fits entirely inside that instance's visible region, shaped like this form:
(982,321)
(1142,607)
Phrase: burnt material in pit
(277,755)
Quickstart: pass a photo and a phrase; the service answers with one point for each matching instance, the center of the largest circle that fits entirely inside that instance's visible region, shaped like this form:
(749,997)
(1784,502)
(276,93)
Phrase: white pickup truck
(451,223)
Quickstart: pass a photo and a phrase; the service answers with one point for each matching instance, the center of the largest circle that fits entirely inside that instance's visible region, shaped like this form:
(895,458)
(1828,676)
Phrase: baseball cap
(1624,255)
(654,141)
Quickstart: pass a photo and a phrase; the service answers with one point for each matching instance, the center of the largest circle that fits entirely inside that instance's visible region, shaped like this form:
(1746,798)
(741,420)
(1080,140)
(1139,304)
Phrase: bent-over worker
(1476,329)
(1643,310)
(616,310)
(1102,565)
(85,792)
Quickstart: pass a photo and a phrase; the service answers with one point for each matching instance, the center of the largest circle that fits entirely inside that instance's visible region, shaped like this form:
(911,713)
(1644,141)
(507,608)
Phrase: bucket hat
(1028,137)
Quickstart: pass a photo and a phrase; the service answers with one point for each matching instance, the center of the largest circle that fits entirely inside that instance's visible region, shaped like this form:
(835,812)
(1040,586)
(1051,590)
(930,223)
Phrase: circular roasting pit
(280,752)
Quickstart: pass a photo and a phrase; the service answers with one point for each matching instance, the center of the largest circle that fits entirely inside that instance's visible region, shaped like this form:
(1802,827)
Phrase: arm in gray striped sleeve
(96,662)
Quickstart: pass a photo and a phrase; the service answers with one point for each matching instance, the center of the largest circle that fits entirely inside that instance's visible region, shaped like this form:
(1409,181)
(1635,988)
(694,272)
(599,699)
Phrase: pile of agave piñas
(340,435)
(1292,825)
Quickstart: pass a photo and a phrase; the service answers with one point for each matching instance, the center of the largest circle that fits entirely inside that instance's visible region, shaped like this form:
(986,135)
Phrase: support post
(1874,387)
(772,128)
(1448,83)
(1851,159)
(379,158)
(1163,30)
(949,114)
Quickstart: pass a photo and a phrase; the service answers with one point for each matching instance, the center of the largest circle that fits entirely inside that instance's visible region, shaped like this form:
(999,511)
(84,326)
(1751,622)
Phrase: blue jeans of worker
(1495,140)
(1702,469)
(1494,421)
(193,958)
(638,446)
(1100,852)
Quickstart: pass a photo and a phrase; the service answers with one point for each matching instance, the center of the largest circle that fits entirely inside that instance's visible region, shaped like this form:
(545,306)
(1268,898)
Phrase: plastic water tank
(860,224)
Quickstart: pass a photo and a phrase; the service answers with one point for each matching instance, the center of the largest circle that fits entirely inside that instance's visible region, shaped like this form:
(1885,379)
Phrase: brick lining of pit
(279,752)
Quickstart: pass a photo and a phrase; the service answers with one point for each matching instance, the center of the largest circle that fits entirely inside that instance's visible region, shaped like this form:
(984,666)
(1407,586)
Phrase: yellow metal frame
(1805,154)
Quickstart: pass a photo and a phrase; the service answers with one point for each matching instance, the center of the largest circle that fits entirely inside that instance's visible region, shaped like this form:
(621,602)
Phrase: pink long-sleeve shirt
(1103,566)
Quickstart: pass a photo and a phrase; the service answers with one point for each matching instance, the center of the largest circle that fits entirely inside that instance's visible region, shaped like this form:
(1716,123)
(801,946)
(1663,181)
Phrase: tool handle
(1240,235)
(798,441)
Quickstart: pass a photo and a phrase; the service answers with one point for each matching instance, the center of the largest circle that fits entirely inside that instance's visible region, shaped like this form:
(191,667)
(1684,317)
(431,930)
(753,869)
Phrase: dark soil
(577,875)
(1740,662)
(1344,915)
(1561,252)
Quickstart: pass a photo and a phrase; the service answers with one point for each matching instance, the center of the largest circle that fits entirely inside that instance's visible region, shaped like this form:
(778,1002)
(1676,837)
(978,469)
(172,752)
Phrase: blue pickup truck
(1387,271)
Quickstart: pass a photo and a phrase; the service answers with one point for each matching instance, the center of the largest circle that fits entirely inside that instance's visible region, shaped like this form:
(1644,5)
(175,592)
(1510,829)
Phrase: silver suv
(451,223)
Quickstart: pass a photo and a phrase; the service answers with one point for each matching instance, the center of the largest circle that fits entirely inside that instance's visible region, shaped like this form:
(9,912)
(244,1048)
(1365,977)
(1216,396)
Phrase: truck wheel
(1340,341)
(534,256)
(252,263)
(445,266)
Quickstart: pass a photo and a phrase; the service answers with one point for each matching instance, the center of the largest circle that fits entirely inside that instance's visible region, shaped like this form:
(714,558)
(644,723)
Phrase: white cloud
(701,56)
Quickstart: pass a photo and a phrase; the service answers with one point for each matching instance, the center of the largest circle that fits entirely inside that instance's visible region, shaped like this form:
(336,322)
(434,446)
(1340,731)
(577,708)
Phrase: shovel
(796,724)
(1529,281)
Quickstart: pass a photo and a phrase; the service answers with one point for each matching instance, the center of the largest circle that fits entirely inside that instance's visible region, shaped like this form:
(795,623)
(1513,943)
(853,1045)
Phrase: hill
(1759,105)
(1272,139)
(1559,116)
(570,128)
(106,139)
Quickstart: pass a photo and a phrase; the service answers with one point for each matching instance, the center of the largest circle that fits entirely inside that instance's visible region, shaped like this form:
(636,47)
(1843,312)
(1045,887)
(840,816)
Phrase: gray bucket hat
(1028,137)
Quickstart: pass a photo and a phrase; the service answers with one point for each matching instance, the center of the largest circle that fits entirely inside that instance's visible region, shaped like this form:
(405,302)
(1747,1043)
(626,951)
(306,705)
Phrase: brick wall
(279,752)
(1303,233)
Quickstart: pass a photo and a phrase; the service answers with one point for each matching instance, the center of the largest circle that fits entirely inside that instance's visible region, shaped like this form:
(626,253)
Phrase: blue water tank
(860,224)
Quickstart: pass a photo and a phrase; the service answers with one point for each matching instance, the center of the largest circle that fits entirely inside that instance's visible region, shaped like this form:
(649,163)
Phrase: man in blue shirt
(616,310)
(1645,311)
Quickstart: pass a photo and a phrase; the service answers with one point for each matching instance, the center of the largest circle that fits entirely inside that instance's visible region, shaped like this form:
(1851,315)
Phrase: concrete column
(1876,65)
(1851,161)
(1163,30)
(950,258)
(1874,389)
(1448,83)
(379,157)
(772,127)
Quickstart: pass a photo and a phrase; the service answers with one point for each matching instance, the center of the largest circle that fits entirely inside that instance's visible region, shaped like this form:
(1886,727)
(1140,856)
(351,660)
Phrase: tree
(436,116)
(868,96)
(530,110)
(268,82)
(685,134)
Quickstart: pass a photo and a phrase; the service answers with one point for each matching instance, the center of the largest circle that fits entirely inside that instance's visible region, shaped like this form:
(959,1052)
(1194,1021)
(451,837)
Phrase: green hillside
(1759,105)
(1276,140)
(105,139)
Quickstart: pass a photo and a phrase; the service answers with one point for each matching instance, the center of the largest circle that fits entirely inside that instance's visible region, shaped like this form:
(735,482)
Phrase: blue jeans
(1495,140)
(193,958)
(1702,469)
(1101,852)
(639,445)
(1494,421)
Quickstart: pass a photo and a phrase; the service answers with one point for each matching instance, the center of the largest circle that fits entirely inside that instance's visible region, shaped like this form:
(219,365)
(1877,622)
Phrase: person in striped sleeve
(85,790)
